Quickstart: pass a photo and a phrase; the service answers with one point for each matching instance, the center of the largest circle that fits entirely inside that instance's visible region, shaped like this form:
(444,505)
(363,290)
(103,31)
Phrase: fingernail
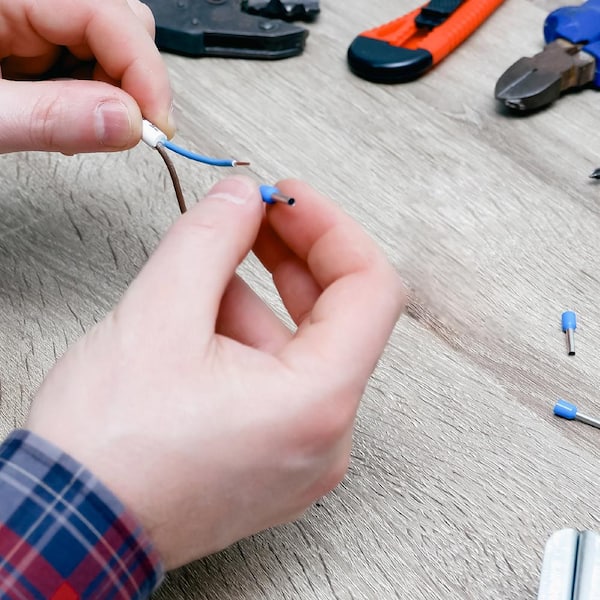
(112,124)
(237,190)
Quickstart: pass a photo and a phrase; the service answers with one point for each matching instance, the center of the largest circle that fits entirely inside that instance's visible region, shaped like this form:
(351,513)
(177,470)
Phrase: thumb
(67,116)
(189,272)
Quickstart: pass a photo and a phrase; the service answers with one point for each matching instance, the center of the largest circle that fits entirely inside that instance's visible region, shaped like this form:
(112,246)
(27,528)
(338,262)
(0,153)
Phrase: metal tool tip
(595,174)
(515,104)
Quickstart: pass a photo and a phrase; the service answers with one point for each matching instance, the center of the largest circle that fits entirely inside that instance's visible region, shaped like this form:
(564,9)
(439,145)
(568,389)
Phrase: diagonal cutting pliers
(570,60)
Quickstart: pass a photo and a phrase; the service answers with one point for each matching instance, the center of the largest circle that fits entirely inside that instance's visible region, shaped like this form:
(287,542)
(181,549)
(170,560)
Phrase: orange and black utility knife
(404,49)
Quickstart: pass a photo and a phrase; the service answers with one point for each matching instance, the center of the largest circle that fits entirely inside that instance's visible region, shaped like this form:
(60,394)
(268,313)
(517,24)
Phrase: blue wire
(207,160)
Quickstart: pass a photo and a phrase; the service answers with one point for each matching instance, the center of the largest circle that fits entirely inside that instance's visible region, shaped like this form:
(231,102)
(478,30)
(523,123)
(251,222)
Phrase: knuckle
(298,513)
(400,292)
(146,16)
(109,4)
(192,227)
(143,13)
(332,476)
(332,428)
(395,297)
(328,423)
(337,472)
(45,120)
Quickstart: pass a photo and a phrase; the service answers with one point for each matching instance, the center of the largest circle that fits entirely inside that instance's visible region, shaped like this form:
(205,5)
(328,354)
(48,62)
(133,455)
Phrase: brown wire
(174,177)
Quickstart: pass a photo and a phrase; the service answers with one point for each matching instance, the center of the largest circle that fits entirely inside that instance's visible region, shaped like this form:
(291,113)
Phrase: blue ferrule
(565,409)
(569,320)
(266,191)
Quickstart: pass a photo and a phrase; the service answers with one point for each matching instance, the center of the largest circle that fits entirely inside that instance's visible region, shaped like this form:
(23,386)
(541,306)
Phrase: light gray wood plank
(459,471)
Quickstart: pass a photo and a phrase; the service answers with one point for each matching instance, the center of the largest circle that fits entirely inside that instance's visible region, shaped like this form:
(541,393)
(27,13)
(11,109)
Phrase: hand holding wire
(204,350)
(155,138)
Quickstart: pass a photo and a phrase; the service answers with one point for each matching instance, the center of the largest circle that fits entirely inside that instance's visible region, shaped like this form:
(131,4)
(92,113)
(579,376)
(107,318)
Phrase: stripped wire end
(207,160)
(153,136)
(595,174)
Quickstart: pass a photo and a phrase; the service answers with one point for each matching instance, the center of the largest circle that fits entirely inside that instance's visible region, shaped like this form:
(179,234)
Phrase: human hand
(108,40)
(194,403)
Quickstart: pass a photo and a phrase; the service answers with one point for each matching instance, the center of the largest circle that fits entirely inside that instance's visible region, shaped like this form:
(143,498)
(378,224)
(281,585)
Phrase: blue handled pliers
(571,59)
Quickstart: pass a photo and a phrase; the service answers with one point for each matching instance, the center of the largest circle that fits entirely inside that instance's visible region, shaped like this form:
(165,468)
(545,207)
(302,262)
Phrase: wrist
(89,536)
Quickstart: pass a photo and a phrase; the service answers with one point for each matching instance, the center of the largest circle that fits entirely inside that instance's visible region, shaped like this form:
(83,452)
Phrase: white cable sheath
(151,134)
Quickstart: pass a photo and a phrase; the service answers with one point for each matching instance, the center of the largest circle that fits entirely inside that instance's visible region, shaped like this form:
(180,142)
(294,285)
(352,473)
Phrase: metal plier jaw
(534,82)
(288,10)
(570,60)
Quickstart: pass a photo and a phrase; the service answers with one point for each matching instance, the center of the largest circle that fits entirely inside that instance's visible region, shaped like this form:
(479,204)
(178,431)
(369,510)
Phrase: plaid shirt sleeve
(63,534)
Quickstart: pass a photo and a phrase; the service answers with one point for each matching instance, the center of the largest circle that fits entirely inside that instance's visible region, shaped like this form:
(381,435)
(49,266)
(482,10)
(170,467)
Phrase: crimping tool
(568,61)
(283,9)
(221,28)
(404,49)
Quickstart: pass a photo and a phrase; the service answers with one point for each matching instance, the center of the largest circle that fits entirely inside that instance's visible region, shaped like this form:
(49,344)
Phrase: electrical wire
(155,138)
(207,160)
(174,177)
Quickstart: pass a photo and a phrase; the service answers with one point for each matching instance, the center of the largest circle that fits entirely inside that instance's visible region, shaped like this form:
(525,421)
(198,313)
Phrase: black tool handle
(220,28)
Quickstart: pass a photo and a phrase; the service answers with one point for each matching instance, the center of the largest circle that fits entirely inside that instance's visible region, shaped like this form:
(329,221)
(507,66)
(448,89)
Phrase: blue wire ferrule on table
(569,320)
(565,409)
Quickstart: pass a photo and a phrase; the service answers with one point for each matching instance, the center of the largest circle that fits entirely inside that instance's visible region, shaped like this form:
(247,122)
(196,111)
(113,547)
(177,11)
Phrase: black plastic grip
(380,62)
(221,28)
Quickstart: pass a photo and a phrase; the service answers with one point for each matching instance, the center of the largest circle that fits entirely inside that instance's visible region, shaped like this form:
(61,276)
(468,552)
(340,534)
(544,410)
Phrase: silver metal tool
(587,568)
(571,566)
(558,566)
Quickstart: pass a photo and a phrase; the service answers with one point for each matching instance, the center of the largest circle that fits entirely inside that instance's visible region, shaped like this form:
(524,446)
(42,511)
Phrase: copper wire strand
(174,177)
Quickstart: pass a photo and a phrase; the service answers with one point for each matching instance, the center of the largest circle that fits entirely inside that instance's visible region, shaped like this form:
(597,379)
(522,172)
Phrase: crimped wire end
(272,195)
(283,199)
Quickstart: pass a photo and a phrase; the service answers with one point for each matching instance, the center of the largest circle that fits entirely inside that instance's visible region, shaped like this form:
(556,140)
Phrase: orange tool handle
(441,40)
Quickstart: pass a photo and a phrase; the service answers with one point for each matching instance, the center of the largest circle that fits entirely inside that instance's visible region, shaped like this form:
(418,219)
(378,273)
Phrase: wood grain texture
(459,471)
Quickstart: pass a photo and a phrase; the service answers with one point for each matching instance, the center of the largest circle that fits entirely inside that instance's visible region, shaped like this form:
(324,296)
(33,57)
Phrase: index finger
(362,297)
(120,43)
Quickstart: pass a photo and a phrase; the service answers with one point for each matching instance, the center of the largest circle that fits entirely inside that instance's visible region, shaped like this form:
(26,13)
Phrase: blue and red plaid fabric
(63,534)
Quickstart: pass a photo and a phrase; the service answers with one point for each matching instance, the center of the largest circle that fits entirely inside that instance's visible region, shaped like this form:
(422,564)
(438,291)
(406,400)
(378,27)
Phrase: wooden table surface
(459,472)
